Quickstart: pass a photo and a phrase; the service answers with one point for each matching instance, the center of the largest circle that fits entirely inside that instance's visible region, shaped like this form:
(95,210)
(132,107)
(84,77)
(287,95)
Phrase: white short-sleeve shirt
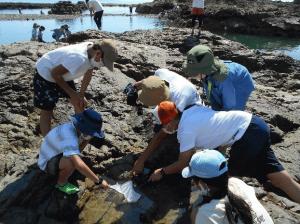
(182,92)
(198,4)
(95,5)
(202,127)
(212,213)
(61,139)
(73,57)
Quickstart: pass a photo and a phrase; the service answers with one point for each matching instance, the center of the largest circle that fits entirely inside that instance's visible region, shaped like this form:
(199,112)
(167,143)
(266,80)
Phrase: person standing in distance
(96,10)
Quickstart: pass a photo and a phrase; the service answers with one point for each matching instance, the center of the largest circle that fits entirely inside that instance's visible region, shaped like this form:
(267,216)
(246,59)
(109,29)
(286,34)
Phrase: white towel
(127,190)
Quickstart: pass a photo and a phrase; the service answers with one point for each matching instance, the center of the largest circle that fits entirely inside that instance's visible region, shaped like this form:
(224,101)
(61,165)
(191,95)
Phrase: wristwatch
(162,172)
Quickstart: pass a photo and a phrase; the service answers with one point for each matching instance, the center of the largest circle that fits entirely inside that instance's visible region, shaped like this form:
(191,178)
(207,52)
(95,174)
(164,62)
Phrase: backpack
(241,204)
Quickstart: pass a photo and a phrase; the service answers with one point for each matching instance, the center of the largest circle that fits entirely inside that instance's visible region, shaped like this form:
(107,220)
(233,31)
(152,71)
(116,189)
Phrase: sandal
(67,188)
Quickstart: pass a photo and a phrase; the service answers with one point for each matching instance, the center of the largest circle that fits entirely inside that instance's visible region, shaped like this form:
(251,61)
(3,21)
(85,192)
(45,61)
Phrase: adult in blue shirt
(227,84)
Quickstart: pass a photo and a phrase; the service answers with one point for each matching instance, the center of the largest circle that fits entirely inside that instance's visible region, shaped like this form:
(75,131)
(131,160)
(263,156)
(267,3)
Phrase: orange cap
(167,112)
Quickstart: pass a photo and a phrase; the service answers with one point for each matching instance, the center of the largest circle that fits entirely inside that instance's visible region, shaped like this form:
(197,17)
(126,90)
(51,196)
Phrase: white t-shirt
(61,139)
(198,4)
(212,213)
(95,5)
(202,127)
(73,57)
(182,92)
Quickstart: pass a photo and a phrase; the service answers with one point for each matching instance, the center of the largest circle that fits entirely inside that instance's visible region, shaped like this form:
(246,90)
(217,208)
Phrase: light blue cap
(206,164)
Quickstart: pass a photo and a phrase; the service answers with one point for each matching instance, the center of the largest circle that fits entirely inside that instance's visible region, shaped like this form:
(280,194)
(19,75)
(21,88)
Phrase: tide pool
(20,30)
(288,46)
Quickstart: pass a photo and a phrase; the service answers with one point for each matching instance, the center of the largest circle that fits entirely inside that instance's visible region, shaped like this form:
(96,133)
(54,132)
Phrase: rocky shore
(27,195)
(258,17)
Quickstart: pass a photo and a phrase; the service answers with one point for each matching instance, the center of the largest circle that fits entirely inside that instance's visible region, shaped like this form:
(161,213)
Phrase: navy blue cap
(89,122)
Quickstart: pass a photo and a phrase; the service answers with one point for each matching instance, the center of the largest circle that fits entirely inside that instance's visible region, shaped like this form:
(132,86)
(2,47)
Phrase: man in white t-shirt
(56,70)
(200,127)
(164,85)
(97,10)
(61,149)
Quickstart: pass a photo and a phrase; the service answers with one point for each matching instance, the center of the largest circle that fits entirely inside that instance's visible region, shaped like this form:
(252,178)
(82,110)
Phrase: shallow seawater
(20,30)
(24,11)
(288,46)
(107,10)
(110,207)
(75,1)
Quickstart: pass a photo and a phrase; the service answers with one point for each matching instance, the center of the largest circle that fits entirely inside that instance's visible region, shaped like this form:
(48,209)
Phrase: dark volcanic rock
(67,7)
(258,17)
(155,7)
(28,196)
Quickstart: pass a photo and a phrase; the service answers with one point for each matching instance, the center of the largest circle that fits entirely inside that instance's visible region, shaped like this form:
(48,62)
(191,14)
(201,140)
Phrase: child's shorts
(52,167)
(46,94)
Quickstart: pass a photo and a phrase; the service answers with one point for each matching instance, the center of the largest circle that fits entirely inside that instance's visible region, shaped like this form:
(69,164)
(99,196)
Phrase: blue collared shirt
(233,92)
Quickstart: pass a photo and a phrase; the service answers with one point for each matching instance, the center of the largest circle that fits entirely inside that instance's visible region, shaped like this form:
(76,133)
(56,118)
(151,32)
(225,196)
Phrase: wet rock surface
(28,195)
(258,17)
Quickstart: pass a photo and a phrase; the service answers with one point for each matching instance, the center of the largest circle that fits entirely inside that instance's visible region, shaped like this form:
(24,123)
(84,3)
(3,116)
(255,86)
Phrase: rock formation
(27,195)
(257,17)
(67,7)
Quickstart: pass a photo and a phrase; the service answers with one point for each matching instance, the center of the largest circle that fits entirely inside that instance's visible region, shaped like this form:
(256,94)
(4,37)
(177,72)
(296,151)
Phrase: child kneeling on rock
(61,149)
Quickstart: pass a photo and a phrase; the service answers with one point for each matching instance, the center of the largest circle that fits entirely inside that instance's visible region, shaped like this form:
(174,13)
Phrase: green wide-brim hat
(200,60)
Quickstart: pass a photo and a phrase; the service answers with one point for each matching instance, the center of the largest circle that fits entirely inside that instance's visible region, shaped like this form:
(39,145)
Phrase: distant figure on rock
(42,13)
(164,85)
(67,31)
(247,135)
(96,10)
(197,14)
(56,70)
(61,150)
(57,33)
(225,199)
(34,34)
(40,34)
(20,12)
(130,9)
(227,84)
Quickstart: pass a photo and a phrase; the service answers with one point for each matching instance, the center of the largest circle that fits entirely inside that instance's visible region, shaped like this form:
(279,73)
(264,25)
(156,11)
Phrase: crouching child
(61,149)
(225,199)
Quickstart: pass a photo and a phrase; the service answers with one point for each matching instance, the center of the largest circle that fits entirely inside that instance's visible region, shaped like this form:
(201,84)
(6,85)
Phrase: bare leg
(45,121)
(66,169)
(193,24)
(78,109)
(286,183)
(200,20)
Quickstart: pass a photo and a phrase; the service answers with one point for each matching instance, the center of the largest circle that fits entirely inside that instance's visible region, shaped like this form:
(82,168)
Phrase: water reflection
(20,30)
(130,22)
